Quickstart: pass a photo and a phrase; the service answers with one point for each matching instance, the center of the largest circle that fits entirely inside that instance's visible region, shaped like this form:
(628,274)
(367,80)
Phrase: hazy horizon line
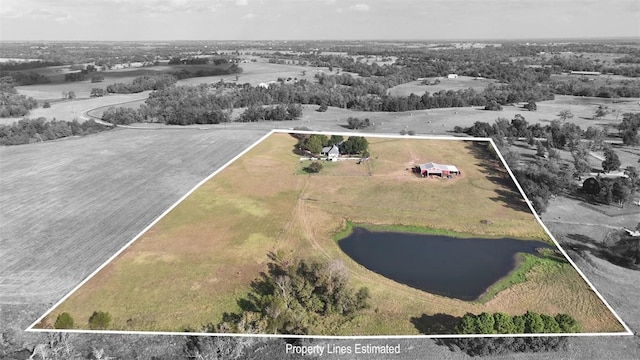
(529,39)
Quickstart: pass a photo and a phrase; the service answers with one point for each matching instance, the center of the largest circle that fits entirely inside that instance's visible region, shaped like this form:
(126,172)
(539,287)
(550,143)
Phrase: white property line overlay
(310,132)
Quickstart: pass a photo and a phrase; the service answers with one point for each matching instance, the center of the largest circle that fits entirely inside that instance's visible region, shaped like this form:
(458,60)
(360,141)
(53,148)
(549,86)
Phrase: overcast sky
(316,19)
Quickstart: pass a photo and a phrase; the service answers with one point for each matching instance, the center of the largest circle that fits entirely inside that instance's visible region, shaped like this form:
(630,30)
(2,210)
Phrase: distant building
(452,76)
(266,84)
(584,73)
(432,168)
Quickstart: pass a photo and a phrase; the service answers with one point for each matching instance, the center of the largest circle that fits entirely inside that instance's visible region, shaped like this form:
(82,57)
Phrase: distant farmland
(459,83)
(253,73)
(192,265)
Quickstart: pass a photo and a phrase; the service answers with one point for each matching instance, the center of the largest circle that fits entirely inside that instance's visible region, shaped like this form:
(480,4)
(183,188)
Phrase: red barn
(432,168)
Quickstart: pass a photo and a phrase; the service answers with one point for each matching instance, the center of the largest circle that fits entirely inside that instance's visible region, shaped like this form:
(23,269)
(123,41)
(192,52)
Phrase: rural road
(582,223)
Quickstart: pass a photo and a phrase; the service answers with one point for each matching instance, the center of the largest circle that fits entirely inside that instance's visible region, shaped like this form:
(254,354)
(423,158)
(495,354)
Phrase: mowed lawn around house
(195,263)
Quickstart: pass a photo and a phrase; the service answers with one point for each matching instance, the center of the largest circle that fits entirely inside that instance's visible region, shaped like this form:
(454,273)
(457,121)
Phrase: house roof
(331,149)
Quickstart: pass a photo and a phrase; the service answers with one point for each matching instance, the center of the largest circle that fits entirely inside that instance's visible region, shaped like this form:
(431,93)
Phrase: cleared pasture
(82,89)
(596,80)
(442,121)
(53,91)
(460,83)
(74,109)
(255,73)
(190,268)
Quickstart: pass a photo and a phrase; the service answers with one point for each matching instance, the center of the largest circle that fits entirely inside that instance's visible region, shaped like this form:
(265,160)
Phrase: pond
(453,267)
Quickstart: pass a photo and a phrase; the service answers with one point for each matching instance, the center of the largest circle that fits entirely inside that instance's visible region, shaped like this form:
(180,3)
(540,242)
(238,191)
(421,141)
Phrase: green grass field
(193,265)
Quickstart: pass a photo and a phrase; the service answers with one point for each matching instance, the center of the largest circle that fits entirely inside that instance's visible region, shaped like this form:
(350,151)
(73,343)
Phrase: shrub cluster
(122,116)
(529,323)
(504,346)
(142,83)
(99,320)
(297,297)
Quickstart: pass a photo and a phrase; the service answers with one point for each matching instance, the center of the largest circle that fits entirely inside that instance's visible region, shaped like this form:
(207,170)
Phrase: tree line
(168,103)
(528,323)
(176,60)
(201,72)
(184,105)
(542,178)
(278,112)
(575,88)
(22,74)
(547,176)
(313,143)
(28,131)
(143,83)
(333,92)
(505,345)
(13,104)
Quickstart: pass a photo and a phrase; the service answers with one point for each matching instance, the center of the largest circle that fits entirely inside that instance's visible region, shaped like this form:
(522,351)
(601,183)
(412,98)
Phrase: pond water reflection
(448,266)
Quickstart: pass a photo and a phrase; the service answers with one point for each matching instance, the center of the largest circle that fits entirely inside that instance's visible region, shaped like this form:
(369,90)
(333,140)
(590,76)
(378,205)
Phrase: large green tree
(297,297)
(611,160)
(565,114)
(64,321)
(315,143)
(503,324)
(533,323)
(580,160)
(485,323)
(567,324)
(99,320)
(355,145)
(621,192)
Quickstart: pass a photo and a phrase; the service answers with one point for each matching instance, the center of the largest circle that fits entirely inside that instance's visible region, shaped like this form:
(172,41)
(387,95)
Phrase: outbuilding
(432,168)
